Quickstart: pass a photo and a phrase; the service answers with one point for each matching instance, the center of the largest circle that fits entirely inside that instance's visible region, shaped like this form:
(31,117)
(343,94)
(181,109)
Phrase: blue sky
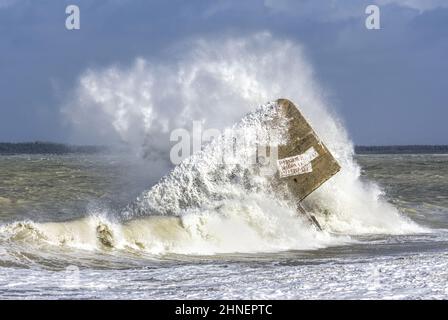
(389,86)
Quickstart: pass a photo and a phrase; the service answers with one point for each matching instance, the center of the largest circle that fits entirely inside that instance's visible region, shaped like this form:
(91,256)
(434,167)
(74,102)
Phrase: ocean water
(67,231)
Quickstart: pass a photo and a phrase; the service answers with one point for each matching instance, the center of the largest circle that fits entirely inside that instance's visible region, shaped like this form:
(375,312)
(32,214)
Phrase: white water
(217,82)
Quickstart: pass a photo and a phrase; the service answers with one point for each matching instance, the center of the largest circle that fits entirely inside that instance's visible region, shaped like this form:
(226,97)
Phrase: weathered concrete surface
(305,161)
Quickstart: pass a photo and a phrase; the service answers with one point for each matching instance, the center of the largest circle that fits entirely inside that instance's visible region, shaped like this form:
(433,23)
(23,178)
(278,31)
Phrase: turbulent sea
(64,233)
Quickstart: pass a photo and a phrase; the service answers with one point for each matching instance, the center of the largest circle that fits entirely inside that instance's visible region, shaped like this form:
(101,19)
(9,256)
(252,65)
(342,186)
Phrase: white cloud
(332,10)
(318,10)
(420,5)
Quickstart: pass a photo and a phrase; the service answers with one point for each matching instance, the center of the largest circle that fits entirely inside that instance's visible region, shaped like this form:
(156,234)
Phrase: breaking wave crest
(254,225)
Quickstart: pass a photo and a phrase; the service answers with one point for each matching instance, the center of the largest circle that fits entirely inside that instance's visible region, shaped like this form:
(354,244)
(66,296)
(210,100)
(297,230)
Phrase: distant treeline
(47,148)
(411,149)
(59,148)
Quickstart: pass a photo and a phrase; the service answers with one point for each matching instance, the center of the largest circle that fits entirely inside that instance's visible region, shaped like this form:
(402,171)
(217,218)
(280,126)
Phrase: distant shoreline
(9,148)
(402,149)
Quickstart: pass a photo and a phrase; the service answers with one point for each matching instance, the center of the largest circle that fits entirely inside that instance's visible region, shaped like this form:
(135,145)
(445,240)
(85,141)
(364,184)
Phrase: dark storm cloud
(389,85)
